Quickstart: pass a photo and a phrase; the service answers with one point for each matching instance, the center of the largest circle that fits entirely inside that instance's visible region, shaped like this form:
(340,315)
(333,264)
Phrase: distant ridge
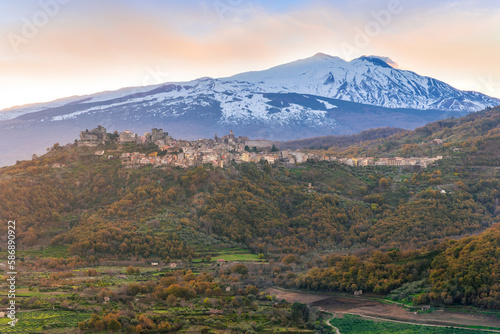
(325,142)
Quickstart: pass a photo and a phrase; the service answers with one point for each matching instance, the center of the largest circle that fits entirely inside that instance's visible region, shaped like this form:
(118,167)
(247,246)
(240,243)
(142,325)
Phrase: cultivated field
(372,308)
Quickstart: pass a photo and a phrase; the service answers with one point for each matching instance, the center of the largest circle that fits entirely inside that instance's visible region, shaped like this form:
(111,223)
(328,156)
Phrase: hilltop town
(220,151)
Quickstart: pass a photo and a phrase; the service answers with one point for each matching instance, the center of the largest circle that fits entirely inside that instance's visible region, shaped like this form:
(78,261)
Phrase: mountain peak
(375,60)
(322,55)
(375,80)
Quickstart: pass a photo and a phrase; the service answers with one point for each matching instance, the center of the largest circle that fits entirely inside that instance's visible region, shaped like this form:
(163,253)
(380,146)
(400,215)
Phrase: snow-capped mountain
(367,80)
(320,95)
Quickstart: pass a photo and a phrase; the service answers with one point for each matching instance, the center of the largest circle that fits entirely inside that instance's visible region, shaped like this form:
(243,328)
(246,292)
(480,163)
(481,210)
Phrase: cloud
(387,60)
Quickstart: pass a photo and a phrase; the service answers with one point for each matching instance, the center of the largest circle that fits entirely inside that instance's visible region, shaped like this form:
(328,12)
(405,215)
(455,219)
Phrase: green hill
(417,235)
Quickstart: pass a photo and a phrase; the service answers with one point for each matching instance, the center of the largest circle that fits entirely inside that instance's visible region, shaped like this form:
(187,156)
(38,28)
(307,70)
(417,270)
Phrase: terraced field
(42,321)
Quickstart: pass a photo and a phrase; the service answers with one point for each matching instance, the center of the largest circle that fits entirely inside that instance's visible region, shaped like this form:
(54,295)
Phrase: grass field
(354,324)
(41,321)
(229,254)
(50,251)
(237,254)
(21,292)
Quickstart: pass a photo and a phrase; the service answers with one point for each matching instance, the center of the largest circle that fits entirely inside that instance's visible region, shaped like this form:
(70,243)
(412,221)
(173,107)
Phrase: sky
(52,49)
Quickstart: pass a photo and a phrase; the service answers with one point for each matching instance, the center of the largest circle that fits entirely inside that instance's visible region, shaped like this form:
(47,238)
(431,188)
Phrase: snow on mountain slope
(14,112)
(237,104)
(367,80)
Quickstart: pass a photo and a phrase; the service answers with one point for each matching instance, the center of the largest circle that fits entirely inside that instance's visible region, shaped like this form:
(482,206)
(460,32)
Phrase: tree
(114,325)
(300,312)
(99,325)
(240,269)
(383,183)
(134,289)
(288,259)
(217,291)
(81,325)
(55,147)
(171,300)
(145,322)
(252,290)
(123,248)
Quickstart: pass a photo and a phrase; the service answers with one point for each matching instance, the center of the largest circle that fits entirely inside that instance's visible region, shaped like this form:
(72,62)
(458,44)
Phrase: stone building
(259,143)
(94,137)
(127,137)
(157,134)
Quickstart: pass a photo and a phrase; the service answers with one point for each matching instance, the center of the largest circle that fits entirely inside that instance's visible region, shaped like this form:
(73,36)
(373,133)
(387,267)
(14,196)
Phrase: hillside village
(220,151)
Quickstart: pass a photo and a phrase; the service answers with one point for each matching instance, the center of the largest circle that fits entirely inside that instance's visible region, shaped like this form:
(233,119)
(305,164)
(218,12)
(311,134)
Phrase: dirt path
(388,312)
(332,326)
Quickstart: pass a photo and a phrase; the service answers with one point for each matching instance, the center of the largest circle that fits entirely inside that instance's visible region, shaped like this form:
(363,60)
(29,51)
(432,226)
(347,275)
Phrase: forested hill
(326,142)
(387,227)
(477,134)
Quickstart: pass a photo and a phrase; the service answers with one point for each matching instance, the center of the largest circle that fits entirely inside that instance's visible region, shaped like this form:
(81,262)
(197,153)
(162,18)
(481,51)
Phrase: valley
(250,167)
(211,249)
